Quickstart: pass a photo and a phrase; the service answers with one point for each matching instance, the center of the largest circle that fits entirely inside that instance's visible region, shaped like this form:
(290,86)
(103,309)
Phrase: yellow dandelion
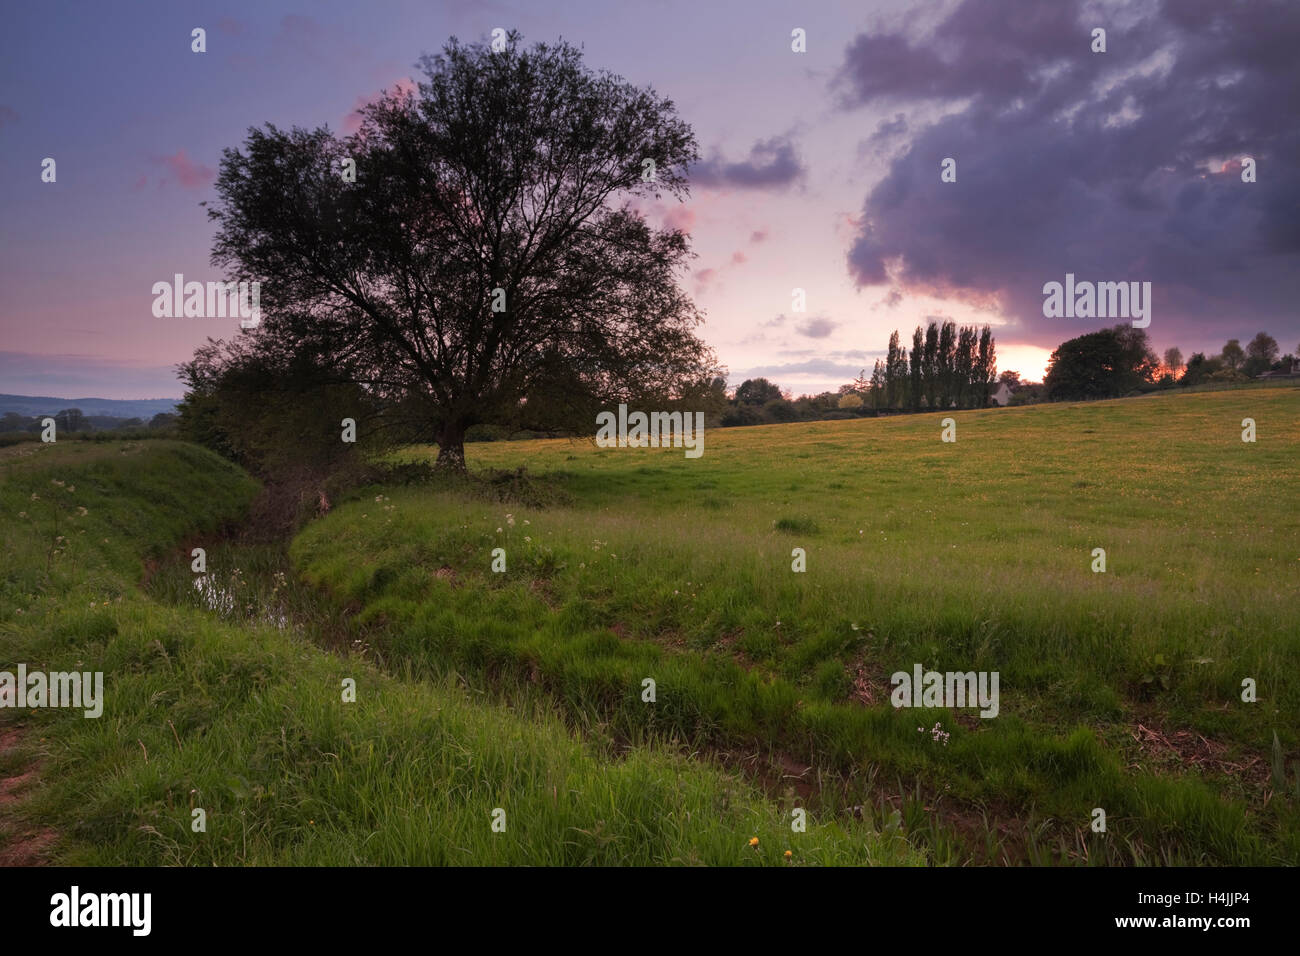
(788,854)
(753,841)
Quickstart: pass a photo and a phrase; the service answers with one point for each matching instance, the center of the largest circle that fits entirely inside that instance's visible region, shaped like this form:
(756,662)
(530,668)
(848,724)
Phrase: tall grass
(244,718)
(968,556)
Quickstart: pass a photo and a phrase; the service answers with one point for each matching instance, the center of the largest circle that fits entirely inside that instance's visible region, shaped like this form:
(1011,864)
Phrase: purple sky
(821,169)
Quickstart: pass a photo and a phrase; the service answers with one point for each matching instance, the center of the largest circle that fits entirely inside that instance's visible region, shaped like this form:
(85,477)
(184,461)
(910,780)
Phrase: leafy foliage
(504,171)
(1103,364)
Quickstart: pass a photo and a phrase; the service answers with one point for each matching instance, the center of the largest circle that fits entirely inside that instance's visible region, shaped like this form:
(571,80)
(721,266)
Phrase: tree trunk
(451,448)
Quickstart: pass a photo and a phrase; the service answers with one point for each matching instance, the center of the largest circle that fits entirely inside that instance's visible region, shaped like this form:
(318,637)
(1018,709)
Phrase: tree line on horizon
(955,371)
(1118,361)
(947,367)
(16,427)
(448,291)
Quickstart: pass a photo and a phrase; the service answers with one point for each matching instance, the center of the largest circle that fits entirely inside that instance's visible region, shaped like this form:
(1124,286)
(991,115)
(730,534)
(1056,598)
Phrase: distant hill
(144,408)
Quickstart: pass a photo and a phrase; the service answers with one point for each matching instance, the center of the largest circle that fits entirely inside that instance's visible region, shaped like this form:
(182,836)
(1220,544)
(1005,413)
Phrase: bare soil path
(21,843)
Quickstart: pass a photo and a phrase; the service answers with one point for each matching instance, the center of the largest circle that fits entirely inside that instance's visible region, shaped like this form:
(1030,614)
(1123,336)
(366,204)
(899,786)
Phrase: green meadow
(244,719)
(528,689)
(1120,690)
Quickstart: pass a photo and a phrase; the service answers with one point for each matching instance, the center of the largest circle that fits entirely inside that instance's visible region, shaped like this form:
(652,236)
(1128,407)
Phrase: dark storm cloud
(771,163)
(1096,164)
(887,128)
(988,48)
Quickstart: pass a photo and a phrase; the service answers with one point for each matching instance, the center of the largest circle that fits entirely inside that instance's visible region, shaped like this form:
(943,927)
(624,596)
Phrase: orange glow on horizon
(1029,360)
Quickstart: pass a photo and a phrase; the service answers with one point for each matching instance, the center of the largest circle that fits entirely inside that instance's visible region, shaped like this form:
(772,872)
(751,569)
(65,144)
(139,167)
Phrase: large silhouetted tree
(930,365)
(947,363)
(1261,353)
(485,263)
(1233,354)
(916,364)
(1107,363)
(985,370)
(757,391)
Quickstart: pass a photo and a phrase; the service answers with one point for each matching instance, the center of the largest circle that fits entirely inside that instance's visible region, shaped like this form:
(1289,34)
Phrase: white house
(1000,395)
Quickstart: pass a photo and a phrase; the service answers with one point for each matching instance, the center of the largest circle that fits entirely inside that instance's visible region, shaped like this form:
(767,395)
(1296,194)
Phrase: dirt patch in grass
(777,774)
(726,644)
(545,593)
(1177,750)
(871,684)
(20,843)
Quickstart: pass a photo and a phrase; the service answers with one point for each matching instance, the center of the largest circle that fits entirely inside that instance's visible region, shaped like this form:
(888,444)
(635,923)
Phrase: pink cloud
(847,224)
(680,217)
(352,122)
(739,258)
(188,173)
(1233,167)
(758,235)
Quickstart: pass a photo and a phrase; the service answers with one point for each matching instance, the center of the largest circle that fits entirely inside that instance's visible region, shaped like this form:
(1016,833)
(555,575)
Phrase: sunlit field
(222,711)
(1120,690)
(647,680)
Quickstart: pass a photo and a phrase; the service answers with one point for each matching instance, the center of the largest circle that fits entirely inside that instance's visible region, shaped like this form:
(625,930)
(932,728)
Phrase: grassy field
(232,714)
(525,690)
(1120,690)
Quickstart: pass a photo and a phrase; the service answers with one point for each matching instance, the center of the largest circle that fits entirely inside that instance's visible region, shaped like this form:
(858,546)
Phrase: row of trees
(946,367)
(74,420)
(452,284)
(1233,364)
(758,401)
(1116,361)
(955,367)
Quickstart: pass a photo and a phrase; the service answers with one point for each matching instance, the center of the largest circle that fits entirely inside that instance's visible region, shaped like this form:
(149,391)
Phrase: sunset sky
(821,170)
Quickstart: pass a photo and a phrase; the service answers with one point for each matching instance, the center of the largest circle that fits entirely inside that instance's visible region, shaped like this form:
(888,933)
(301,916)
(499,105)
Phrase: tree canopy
(1104,364)
(486,263)
(1261,353)
(757,391)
